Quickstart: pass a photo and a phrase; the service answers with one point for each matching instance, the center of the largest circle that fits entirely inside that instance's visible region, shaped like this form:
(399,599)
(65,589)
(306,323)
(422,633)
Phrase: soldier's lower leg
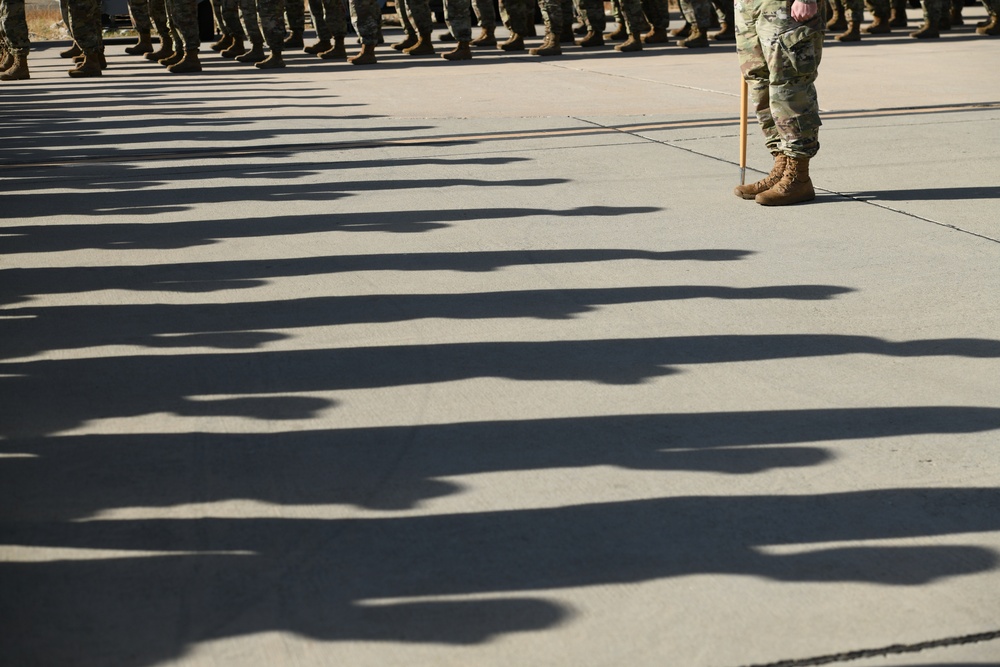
(698,14)
(855,16)
(621,30)
(295,10)
(932,18)
(727,30)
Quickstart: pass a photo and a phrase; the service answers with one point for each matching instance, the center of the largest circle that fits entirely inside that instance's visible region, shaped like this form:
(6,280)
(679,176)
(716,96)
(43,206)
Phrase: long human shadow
(151,202)
(84,176)
(77,477)
(929,194)
(176,235)
(29,330)
(57,394)
(378,579)
(16,285)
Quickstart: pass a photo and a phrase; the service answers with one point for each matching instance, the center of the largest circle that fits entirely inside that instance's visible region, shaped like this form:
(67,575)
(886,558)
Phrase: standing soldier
(328,19)
(516,16)
(248,8)
(698,14)
(139,11)
(780,49)
(367,19)
(458,16)
(552,14)
(415,17)
(85,26)
(658,14)
(272,24)
(14,44)
(487,23)
(932,20)
(182,16)
(296,13)
(158,15)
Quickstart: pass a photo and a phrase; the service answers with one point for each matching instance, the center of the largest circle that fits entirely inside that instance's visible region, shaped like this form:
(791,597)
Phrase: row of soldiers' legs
(263,22)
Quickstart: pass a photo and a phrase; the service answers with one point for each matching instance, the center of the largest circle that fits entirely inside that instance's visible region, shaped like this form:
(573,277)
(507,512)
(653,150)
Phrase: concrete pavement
(483,364)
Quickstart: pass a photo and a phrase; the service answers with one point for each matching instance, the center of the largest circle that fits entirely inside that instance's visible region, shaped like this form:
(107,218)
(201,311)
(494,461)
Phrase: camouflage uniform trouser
(14,27)
(182,15)
(458,16)
(295,10)
(367,19)
(229,10)
(415,15)
(697,12)
(855,9)
(158,16)
(272,22)
(552,14)
(592,14)
(657,13)
(328,18)
(248,8)
(85,24)
(139,11)
(485,13)
(779,58)
(517,15)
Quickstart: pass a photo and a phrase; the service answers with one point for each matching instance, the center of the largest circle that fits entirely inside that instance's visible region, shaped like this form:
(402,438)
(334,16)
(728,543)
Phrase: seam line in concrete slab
(895,649)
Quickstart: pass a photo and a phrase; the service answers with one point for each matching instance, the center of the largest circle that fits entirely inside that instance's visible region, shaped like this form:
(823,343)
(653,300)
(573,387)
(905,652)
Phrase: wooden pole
(744,94)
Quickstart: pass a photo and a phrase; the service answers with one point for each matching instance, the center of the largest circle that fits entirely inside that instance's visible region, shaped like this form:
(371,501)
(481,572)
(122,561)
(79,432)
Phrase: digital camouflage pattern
(416,14)
(295,10)
(328,18)
(552,14)
(139,11)
(272,22)
(515,15)
(485,13)
(248,9)
(158,15)
(592,14)
(458,16)
(635,19)
(779,58)
(14,27)
(367,19)
(657,13)
(230,11)
(697,12)
(183,18)
(85,24)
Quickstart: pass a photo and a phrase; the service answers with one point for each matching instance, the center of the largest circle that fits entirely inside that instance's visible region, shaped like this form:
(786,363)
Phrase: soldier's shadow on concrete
(55,395)
(929,194)
(234,325)
(176,235)
(396,468)
(380,579)
(18,285)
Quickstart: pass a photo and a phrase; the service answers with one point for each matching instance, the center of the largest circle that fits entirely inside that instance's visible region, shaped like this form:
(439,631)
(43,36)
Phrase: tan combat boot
(618,34)
(656,36)
(991,29)
(591,39)
(273,61)
(166,49)
(897,14)
(463,51)
(727,33)
(319,47)
(254,55)
(549,47)
(90,66)
(364,57)
(236,48)
(173,58)
(633,43)
(853,33)
(880,25)
(487,37)
(293,41)
(794,187)
(187,64)
(514,43)
(410,40)
(141,47)
(222,44)
(696,39)
(928,30)
(837,20)
(423,47)
(72,52)
(337,52)
(763,185)
(682,32)
(18,69)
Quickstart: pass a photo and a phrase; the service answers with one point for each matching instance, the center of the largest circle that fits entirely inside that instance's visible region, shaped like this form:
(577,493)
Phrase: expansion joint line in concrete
(895,649)
(634,133)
